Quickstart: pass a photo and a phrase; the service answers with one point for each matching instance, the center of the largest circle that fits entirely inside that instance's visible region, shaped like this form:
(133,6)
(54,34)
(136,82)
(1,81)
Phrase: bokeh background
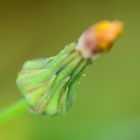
(108,98)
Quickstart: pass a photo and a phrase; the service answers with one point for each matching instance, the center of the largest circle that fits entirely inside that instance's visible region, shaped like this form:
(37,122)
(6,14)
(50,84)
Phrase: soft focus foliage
(107,107)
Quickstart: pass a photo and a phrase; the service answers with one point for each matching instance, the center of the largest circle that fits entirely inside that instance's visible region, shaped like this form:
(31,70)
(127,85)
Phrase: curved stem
(13,111)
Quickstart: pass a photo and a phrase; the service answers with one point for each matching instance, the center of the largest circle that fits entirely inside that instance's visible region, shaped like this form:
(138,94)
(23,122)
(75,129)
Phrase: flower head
(99,38)
(48,84)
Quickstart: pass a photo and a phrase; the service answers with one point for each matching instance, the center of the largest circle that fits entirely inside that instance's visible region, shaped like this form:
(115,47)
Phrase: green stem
(13,111)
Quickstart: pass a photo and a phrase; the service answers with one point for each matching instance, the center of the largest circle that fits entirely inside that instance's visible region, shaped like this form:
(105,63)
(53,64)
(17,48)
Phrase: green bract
(48,84)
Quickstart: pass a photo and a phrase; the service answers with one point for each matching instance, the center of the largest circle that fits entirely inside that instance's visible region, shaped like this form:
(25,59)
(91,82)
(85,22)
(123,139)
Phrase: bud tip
(99,38)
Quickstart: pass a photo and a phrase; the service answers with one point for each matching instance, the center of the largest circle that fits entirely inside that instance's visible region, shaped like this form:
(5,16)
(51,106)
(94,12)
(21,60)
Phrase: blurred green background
(108,98)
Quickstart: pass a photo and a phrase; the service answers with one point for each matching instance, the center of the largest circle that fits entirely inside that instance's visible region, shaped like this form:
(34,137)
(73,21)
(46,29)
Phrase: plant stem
(13,111)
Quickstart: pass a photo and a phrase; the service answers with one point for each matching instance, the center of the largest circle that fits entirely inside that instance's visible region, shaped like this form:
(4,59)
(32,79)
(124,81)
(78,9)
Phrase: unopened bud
(99,38)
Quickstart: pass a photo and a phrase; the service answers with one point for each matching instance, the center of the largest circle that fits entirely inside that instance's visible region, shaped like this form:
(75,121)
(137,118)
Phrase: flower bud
(48,84)
(99,38)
